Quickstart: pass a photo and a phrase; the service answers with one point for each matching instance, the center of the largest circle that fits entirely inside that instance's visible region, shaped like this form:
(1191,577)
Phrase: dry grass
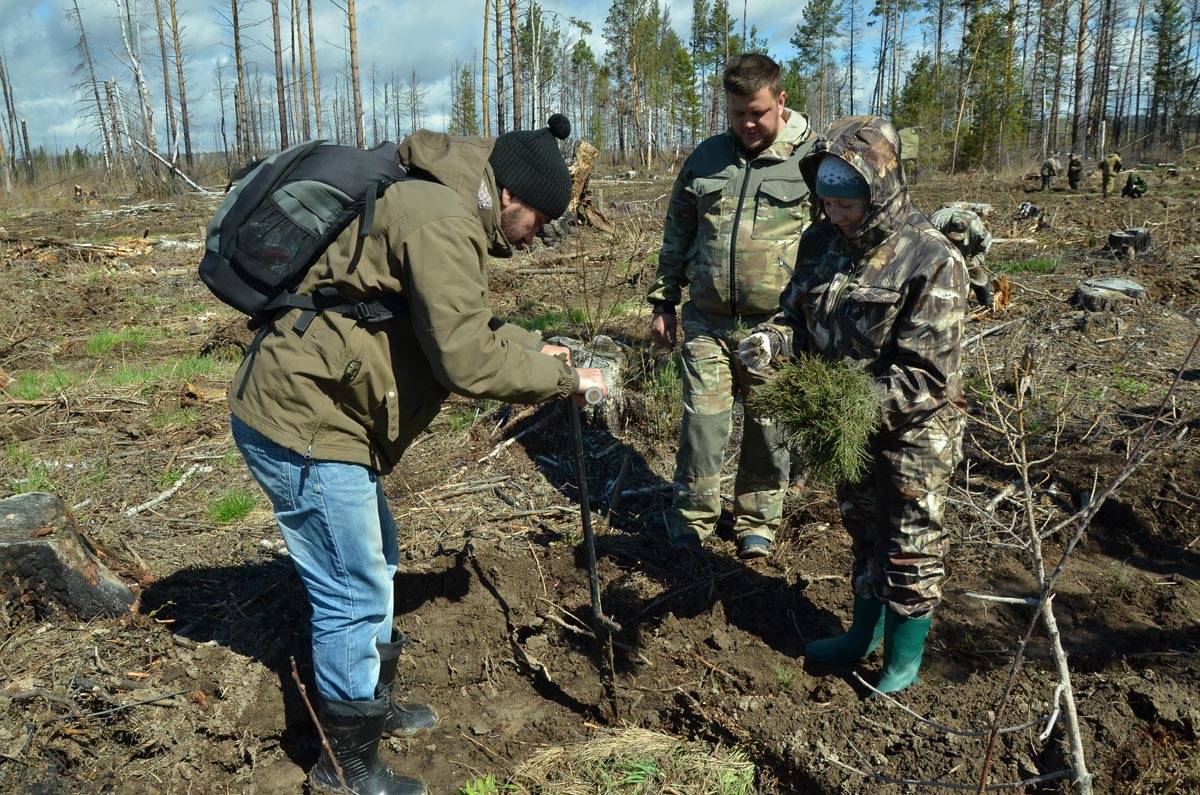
(635,761)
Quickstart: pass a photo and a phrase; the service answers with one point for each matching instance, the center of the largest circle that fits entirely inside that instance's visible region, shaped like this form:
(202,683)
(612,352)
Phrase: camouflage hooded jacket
(733,224)
(891,297)
(966,230)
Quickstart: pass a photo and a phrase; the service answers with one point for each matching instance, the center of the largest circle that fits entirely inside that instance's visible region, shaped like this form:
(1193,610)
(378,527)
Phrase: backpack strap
(328,299)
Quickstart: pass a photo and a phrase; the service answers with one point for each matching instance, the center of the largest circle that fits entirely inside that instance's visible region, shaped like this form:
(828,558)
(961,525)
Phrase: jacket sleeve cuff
(663,307)
(568,382)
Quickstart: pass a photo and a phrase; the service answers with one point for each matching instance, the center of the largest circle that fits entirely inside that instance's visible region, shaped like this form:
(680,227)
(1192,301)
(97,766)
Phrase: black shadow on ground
(259,610)
(634,538)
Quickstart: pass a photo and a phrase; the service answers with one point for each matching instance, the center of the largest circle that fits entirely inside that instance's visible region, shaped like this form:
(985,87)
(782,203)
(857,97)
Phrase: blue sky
(394,36)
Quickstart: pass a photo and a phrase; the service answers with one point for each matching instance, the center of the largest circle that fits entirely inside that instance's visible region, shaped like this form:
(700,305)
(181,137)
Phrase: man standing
(966,230)
(1050,169)
(326,404)
(736,213)
(1109,168)
(1074,170)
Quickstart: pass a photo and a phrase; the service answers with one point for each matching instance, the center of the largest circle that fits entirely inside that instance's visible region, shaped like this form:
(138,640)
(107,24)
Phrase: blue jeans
(342,540)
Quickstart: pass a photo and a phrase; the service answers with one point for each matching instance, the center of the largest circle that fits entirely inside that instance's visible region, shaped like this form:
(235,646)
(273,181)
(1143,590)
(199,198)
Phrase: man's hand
(662,330)
(559,351)
(757,351)
(590,378)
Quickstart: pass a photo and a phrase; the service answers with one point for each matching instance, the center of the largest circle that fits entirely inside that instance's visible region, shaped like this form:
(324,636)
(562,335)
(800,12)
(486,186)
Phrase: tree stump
(1121,243)
(45,564)
(1108,292)
(605,354)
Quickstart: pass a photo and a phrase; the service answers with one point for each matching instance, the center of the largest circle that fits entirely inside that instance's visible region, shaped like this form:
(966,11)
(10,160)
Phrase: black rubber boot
(402,719)
(353,729)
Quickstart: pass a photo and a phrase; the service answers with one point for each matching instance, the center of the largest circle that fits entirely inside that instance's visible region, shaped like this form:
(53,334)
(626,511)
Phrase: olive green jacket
(733,224)
(345,390)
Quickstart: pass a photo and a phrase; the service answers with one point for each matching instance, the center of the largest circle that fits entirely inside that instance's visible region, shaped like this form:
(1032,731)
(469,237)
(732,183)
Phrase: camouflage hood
(871,146)
(461,164)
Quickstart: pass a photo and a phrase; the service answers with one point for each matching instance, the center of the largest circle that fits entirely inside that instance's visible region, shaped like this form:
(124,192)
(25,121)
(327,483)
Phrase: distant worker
(1050,169)
(966,230)
(1074,170)
(1135,187)
(1109,168)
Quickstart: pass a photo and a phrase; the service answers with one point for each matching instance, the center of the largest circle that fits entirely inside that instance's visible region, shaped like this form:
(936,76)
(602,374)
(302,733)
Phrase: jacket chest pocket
(709,193)
(868,314)
(780,209)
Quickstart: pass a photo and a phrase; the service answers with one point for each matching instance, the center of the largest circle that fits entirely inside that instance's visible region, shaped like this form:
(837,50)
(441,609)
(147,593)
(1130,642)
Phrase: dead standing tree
(135,64)
(316,81)
(280,85)
(89,67)
(168,100)
(513,50)
(176,37)
(352,23)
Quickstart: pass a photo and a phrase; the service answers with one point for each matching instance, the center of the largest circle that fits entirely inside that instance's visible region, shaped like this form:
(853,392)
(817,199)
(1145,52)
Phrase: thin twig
(312,713)
(169,493)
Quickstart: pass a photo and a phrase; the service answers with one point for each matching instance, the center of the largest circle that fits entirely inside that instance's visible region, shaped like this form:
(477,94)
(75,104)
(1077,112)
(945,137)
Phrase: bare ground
(193,692)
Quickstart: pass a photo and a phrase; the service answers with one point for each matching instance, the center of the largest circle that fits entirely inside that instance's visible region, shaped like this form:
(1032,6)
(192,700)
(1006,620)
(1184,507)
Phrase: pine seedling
(828,411)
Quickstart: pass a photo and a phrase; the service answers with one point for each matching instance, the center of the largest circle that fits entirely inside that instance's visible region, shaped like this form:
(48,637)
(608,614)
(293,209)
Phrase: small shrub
(1038,265)
(484,785)
(231,506)
(828,411)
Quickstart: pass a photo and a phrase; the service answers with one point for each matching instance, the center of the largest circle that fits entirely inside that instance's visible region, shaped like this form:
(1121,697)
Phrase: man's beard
(758,144)
(510,225)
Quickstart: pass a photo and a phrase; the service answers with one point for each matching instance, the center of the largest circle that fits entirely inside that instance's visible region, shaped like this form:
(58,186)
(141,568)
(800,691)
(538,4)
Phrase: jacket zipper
(737,219)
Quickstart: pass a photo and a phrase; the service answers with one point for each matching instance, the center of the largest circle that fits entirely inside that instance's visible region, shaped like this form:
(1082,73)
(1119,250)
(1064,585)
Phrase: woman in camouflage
(877,285)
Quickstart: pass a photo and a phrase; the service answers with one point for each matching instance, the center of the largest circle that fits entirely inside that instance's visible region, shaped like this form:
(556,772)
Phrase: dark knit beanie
(528,163)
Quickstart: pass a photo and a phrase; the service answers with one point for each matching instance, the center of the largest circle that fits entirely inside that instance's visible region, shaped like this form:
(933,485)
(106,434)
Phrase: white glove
(757,350)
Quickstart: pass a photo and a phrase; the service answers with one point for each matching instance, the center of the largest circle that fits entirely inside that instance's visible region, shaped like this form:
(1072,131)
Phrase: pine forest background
(994,84)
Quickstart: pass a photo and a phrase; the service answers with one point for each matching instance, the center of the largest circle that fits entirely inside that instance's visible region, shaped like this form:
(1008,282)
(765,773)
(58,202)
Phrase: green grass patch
(828,411)
(167,479)
(231,506)
(1038,265)
(785,677)
(128,340)
(36,386)
(1130,386)
(173,370)
(553,320)
(37,478)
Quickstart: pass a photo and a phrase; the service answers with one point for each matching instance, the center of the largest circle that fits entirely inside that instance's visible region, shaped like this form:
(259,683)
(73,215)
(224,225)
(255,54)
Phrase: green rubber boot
(903,647)
(860,640)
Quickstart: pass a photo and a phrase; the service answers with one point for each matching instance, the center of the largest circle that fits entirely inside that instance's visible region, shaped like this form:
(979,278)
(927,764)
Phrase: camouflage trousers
(894,514)
(713,377)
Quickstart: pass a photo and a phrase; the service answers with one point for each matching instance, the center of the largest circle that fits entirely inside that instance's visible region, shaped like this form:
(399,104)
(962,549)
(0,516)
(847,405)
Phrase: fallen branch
(954,785)
(182,176)
(974,338)
(312,713)
(169,493)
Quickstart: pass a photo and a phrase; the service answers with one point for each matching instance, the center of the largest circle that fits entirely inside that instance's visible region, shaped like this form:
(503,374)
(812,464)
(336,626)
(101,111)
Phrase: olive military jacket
(733,224)
(350,391)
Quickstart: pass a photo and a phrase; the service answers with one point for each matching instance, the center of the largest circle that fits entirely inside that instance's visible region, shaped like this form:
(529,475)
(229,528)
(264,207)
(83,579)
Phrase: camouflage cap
(956,230)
